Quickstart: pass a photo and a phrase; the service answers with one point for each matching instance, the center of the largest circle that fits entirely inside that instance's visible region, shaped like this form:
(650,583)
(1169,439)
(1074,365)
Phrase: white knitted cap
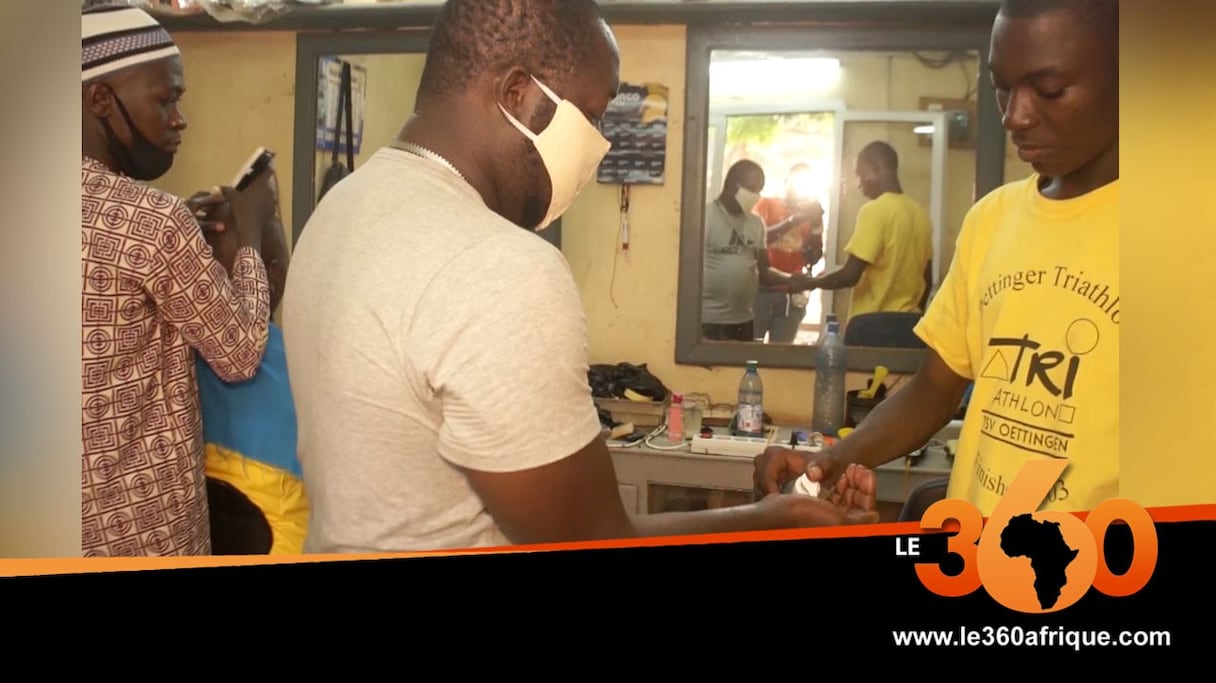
(114,37)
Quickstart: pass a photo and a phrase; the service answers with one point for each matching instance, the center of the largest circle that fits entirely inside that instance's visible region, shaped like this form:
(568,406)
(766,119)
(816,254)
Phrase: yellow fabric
(278,494)
(895,236)
(1030,311)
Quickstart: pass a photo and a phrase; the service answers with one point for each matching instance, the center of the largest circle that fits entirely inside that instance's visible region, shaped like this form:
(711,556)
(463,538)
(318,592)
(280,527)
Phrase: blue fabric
(255,418)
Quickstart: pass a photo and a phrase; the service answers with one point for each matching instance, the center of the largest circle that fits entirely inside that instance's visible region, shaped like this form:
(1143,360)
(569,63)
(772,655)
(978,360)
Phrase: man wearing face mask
(152,297)
(437,347)
(736,258)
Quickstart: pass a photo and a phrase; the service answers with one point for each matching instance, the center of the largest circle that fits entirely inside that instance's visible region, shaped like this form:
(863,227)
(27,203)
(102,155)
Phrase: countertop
(896,479)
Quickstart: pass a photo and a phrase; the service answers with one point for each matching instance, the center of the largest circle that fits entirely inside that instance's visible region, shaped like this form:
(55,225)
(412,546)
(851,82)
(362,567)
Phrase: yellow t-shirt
(894,235)
(1030,312)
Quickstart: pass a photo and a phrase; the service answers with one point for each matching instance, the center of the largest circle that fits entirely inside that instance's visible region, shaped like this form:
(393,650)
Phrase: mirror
(378,75)
(380,88)
(804,118)
(801,128)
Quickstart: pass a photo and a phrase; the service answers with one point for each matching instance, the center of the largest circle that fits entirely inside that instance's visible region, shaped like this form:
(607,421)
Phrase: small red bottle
(675,419)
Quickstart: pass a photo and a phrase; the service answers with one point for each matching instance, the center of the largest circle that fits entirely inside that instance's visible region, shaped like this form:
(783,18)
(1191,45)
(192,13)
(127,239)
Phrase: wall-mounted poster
(329,95)
(636,124)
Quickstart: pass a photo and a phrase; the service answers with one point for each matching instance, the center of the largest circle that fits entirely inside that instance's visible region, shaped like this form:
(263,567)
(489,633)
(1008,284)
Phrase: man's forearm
(720,520)
(775,278)
(780,227)
(836,280)
(899,425)
(777,231)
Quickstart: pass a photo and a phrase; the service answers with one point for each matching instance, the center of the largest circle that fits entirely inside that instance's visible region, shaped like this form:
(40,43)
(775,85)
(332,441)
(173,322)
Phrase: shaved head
(881,156)
(553,39)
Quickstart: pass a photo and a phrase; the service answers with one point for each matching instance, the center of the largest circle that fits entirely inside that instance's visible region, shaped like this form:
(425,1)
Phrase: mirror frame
(691,348)
(310,47)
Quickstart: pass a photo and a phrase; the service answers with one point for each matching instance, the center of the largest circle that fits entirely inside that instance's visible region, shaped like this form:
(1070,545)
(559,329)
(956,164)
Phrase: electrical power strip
(742,446)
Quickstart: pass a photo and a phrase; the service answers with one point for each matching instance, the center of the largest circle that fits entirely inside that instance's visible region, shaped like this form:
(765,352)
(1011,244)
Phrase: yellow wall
(631,320)
(240,94)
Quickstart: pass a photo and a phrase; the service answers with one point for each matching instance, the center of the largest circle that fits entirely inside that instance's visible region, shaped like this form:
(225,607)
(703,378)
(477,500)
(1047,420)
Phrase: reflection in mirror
(836,184)
(381,95)
(363,101)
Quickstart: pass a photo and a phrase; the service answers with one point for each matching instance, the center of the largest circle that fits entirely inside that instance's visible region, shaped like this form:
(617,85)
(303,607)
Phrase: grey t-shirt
(732,275)
(425,332)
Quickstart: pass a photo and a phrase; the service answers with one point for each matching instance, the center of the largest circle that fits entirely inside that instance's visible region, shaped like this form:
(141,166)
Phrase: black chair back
(884,330)
(921,498)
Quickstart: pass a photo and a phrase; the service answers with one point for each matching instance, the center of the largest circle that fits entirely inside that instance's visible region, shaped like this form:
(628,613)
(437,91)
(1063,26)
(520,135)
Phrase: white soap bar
(806,487)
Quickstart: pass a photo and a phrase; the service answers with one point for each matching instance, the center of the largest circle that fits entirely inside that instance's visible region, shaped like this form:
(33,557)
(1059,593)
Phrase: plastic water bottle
(749,414)
(830,367)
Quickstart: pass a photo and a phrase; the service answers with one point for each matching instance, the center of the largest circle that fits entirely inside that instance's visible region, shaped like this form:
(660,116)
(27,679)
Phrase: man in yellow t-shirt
(891,252)
(1029,310)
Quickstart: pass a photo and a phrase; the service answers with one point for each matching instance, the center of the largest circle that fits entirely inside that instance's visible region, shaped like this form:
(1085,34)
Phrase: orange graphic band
(1039,562)
(1143,563)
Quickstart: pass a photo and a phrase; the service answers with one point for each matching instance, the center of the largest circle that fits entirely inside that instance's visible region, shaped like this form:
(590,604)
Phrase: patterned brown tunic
(152,295)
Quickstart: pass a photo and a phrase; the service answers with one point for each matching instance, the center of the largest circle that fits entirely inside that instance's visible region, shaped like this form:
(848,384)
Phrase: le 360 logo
(1037,562)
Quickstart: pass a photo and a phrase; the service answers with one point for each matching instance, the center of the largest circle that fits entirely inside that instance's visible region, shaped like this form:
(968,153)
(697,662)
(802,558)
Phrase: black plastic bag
(611,381)
(606,419)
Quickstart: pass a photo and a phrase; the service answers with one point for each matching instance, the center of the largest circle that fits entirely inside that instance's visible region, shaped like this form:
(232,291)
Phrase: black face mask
(142,160)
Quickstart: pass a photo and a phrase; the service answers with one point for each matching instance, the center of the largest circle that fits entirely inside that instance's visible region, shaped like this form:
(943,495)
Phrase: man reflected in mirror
(890,256)
(736,258)
(794,235)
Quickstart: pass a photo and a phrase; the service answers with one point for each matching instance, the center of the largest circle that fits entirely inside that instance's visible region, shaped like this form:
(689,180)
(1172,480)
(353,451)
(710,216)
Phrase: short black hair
(735,173)
(1101,15)
(1097,11)
(880,154)
(551,38)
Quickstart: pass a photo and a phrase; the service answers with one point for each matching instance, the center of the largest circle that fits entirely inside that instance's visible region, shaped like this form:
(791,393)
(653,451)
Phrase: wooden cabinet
(629,496)
(655,481)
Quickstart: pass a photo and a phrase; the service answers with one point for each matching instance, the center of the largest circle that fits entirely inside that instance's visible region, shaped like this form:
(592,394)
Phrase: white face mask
(747,199)
(571,149)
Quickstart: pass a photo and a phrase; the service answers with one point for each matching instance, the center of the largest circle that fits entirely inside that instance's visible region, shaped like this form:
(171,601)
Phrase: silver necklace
(425,153)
